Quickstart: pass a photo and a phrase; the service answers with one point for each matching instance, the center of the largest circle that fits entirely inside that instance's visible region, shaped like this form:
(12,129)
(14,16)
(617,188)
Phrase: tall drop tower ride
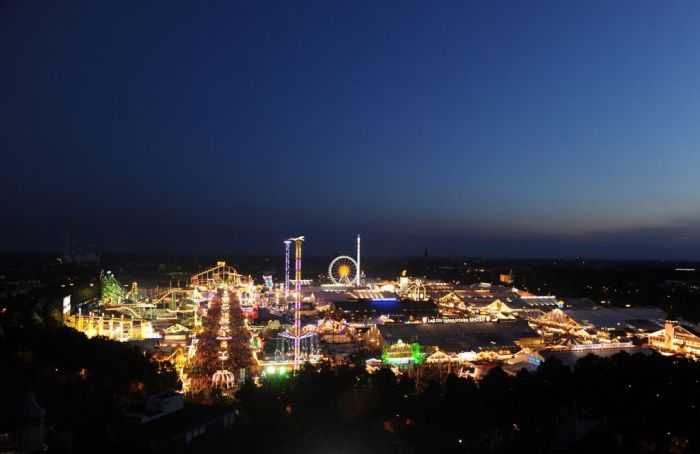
(297,300)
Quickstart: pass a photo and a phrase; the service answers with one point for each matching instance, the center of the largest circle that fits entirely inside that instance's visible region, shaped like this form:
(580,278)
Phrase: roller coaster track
(171,293)
(128,310)
(214,277)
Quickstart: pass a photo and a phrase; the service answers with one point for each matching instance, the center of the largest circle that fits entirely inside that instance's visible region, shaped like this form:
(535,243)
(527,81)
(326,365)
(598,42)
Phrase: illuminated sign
(480,318)
(384,300)
(66,305)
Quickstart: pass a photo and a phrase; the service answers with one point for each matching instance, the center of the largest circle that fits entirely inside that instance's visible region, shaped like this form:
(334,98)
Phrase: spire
(358,261)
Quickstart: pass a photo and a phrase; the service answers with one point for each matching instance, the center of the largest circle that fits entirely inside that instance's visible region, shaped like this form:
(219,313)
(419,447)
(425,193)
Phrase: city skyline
(510,130)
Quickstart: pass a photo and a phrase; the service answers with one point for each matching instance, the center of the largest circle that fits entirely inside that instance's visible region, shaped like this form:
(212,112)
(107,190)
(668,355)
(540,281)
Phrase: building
(507,279)
(167,424)
(157,406)
(676,339)
(600,328)
(524,307)
(504,338)
(325,296)
(498,301)
(367,310)
(632,320)
(116,328)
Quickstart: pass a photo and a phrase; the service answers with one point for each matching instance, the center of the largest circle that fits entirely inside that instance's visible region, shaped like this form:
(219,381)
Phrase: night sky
(477,128)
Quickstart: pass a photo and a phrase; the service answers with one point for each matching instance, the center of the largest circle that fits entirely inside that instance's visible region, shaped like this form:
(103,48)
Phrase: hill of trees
(626,403)
(84,384)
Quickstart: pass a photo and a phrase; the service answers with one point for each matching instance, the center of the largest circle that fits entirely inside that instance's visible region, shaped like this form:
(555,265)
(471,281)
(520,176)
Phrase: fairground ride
(344,270)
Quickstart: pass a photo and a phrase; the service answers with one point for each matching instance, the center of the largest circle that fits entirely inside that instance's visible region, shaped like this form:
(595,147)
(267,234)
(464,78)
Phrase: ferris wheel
(343,270)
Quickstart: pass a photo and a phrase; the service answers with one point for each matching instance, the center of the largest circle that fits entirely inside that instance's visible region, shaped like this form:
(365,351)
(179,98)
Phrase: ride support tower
(297,300)
(286,268)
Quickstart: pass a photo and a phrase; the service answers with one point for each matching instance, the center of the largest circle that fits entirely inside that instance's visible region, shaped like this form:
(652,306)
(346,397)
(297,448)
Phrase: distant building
(507,279)
(12,289)
(72,255)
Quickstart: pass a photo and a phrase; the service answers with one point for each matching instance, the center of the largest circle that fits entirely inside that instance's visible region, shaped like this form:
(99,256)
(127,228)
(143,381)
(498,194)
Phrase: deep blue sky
(470,128)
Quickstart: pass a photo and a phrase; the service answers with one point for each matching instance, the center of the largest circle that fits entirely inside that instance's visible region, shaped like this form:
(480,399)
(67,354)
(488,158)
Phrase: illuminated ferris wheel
(343,270)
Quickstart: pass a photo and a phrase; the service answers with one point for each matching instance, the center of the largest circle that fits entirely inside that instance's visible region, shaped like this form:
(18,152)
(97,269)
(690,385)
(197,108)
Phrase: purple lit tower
(286,268)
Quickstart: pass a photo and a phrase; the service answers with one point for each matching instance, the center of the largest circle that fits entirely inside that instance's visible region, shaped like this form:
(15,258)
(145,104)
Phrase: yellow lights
(344,271)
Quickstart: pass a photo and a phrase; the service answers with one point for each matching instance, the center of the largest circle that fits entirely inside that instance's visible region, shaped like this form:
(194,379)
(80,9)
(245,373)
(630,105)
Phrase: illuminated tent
(176,329)
(438,357)
(557,320)
(402,354)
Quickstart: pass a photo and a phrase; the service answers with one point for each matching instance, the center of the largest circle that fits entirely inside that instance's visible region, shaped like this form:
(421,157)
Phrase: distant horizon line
(210,255)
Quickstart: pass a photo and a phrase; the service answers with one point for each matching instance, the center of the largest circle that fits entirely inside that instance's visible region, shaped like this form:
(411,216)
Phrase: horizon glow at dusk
(469,128)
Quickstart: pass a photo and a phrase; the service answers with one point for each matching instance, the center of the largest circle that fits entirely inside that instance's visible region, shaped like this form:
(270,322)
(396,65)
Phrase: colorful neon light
(286,268)
(384,300)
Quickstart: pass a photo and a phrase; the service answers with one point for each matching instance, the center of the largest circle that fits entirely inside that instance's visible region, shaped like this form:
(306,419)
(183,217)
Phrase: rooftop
(637,318)
(459,337)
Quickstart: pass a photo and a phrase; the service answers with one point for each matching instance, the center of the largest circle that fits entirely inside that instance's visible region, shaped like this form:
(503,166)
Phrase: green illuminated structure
(402,354)
(112,291)
(134,294)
